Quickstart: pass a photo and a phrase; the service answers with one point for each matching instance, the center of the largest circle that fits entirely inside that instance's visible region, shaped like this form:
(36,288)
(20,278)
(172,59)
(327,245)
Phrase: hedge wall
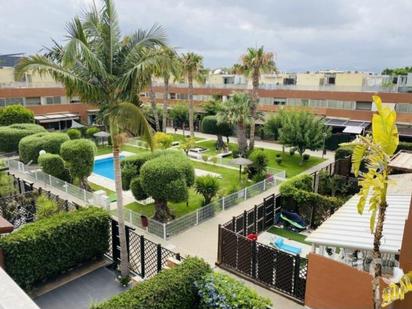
(10,136)
(15,114)
(171,289)
(404,146)
(48,247)
(30,146)
(297,193)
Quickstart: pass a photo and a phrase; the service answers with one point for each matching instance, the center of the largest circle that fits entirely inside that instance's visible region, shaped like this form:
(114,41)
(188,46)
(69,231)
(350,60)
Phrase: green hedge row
(48,247)
(404,146)
(10,136)
(171,289)
(298,191)
(30,146)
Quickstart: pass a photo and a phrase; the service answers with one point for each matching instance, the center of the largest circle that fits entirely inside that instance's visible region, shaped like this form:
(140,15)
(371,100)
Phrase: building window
(172,96)
(289,81)
(331,80)
(279,101)
(228,80)
(2,102)
(33,101)
(399,107)
(364,106)
(53,100)
(13,101)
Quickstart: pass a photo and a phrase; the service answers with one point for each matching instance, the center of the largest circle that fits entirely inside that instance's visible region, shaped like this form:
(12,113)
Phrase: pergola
(350,126)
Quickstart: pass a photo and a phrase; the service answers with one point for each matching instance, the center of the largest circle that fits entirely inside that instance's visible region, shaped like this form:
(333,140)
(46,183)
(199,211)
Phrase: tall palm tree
(255,62)
(102,68)
(237,111)
(192,69)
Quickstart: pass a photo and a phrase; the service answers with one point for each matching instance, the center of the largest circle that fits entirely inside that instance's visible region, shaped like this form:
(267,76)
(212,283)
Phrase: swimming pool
(105,167)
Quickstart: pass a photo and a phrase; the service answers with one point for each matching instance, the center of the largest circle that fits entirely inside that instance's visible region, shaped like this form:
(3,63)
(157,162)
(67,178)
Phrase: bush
(208,186)
(259,165)
(292,151)
(137,190)
(342,153)
(218,290)
(74,133)
(91,131)
(45,248)
(30,146)
(170,289)
(162,140)
(333,142)
(278,160)
(53,164)
(404,146)
(305,157)
(10,136)
(79,157)
(45,207)
(15,114)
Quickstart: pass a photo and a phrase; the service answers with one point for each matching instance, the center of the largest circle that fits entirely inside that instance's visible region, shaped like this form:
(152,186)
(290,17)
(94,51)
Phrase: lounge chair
(280,244)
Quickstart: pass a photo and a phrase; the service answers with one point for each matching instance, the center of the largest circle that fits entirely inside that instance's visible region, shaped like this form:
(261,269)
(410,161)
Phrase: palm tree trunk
(190,95)
(254,109)
(241,138)
(165,104)
(377,256)
(153,104)
(124,259)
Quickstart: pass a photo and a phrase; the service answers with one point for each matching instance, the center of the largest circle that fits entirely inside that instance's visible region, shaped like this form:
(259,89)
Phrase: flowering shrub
(221,291)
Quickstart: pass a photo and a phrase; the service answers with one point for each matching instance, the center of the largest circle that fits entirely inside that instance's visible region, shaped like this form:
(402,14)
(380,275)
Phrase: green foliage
(278,160)
(292,151)
(298,190)
(212,107)
(337,185)
(397,71)
(180,115)
(137,189)
(74,133)
(79,157)
(273,125)
(259,165)
(15,114)
(46,207)
(167,178)
(10,136)
(30,146)
(45,248)
(303,130)
(334,140)
(170,289)
(342,153)
(91,131)
(208,186)
(162,140)
(305,157)
(218,290)
(53,164)
(188,144)
(210,125)
(6,182)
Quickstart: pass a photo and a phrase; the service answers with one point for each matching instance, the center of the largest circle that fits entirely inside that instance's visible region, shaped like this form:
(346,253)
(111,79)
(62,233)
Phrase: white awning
(348,229)
(352,129)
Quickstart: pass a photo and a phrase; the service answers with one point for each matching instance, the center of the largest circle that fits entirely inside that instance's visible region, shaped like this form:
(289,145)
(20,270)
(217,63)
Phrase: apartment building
(46,98)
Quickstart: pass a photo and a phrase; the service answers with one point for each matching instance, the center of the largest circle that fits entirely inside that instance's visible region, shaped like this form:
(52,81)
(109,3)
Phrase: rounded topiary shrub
(53,164)
(91,131)
(10,136)
(30,146)
(74,133)
(15,114)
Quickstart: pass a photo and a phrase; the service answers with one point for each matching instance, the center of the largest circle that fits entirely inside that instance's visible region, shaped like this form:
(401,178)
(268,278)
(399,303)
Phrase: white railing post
(245,193)
(85,195)
(223,203)
(66,186)
(130,216)
(197,216)
(50,180)
(35,175)
(264,184)
(164,231)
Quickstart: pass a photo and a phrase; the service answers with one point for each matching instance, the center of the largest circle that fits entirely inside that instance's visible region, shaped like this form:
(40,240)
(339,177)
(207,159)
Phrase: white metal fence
(178,225)
(80,195)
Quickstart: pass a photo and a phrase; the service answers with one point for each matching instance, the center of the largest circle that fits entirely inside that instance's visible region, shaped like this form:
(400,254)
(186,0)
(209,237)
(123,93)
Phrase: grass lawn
(180,137)
(101,150)
(288,235)
(111,194)
(178,209)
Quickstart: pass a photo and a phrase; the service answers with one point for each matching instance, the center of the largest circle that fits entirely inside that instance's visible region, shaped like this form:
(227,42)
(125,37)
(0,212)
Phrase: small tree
(273,124)
(188,144)
(79,157)
(15,114)
(162,140)
(180,116)
(208,186)
(74,133)
(303,130)
(210,125)
(91,131)
(259,166)
(165,178)
(377,151)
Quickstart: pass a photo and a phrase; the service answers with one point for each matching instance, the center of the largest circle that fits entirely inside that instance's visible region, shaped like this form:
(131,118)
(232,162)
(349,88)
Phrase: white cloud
(304,35)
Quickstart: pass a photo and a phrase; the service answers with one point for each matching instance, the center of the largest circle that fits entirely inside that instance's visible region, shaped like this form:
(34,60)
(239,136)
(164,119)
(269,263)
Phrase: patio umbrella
(241,162)
(102,135)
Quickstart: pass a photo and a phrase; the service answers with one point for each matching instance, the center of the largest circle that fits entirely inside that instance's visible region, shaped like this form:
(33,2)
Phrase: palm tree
(255,62)
(101,67)
(237,111)
(192,69)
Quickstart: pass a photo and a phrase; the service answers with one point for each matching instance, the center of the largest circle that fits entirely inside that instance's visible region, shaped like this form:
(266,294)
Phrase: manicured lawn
(180,137)
(111,194)
(101,150)
(211,146)
(288,234)
(178,209)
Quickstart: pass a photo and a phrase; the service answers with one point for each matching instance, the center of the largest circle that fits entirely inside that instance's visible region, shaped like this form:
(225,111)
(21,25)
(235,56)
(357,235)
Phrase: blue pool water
(104,167)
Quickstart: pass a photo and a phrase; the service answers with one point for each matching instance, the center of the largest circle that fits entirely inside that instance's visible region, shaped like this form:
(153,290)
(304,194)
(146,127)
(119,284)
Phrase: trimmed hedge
(74,133)
(53,164)
(342,153)
(30,146)
(297,191)
(10,136)
(46,248)
(15,114)
(170,289)
(404,146)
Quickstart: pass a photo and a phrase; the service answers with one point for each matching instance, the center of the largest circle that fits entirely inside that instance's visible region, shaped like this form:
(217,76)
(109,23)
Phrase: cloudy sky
(366,35)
